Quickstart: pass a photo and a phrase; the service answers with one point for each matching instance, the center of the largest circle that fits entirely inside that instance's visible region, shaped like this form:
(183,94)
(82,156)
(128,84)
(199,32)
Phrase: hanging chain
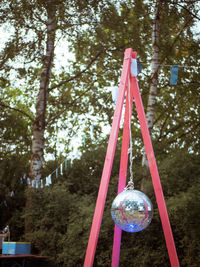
(130,185)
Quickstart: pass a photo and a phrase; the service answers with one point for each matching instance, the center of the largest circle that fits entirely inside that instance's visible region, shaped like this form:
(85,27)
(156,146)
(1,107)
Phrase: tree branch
(69,104)
(18,110)
(77,75)
(183,134)
(195,16)
(174,42)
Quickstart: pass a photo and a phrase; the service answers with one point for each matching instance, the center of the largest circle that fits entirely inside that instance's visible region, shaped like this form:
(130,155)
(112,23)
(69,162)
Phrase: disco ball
(132,210)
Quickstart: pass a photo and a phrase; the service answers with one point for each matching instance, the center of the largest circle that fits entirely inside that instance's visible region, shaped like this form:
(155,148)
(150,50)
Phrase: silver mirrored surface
(132,211)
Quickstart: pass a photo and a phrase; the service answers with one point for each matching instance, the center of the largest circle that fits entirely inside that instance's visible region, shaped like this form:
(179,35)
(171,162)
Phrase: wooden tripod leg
(155,176)
(98,214)
(122,176)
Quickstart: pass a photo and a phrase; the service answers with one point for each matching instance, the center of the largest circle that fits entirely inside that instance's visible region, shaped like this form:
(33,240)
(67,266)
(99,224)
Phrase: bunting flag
(65,164)
(134,69)
(33,183)
(84,140)
(174,75)
(61,169)
(92,131)
(115,93)
(37,184)
(47,181)
(139,67)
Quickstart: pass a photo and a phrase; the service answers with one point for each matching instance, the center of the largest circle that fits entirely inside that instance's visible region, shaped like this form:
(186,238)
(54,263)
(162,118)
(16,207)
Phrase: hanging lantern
(132,210)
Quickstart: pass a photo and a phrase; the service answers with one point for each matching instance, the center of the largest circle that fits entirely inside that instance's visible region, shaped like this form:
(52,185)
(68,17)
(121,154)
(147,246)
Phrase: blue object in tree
(84,140)
(65,164)
(174,75)
(139,67)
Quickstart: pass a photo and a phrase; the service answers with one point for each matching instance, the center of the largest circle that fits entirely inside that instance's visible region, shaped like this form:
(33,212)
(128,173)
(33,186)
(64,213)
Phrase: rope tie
(130,185)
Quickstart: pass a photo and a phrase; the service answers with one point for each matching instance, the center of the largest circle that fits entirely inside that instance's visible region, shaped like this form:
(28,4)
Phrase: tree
(150,113)
(174,122)
(34,28)
(41,26)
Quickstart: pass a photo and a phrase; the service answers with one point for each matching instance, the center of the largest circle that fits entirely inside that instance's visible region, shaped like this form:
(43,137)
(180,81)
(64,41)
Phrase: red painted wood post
(155,176)
(123,171)
(98,214)
(122,174)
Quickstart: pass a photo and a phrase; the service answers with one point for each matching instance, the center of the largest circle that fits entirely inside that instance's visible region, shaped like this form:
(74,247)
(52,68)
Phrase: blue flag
(84,140)
(174,75)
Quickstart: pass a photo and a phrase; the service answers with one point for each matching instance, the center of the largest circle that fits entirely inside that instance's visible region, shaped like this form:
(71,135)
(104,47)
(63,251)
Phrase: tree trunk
(36,163)
(150,114)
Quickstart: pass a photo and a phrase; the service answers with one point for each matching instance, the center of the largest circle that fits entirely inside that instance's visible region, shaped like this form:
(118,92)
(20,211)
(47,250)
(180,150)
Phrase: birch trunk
(150,114)
(36,163)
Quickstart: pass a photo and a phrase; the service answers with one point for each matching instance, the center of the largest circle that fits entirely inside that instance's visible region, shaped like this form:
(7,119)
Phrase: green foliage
(62,221)
(176,123)
(12,169)
(97,33)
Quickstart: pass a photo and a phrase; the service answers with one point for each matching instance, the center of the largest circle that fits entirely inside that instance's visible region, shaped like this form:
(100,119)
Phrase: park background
(58,61)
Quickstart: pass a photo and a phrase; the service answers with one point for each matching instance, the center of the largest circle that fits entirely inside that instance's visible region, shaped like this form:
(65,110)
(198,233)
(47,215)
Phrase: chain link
(130,183)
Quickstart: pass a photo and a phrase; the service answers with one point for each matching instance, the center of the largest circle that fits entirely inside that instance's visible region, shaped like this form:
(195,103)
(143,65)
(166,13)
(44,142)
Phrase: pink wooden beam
(122,175)
(98,214)
(155,176)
